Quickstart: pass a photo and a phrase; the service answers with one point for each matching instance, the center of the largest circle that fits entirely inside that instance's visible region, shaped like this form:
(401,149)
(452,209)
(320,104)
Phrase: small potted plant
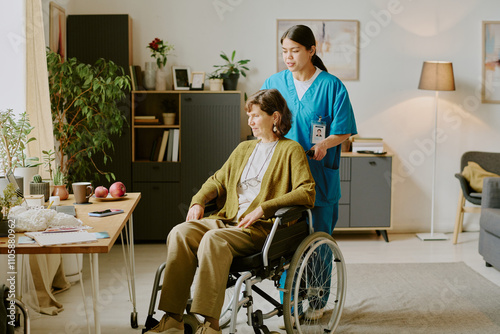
(215,80)
(59,185)
(40,187)
(8,200)
(231,70)
(48,159)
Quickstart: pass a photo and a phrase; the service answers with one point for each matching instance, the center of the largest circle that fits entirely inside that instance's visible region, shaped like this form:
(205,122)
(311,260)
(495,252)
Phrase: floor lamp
(436,76)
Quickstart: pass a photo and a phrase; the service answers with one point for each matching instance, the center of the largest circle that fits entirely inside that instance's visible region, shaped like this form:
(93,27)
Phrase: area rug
(419,298)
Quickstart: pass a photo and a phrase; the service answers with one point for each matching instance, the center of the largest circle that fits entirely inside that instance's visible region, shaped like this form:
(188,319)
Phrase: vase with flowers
(159,50)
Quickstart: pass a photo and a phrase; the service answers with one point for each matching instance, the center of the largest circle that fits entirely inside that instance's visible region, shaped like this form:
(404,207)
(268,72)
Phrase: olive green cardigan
(287,182)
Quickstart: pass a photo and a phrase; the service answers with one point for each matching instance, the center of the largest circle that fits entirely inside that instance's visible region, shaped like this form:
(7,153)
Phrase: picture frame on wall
(197,80)
(490,92)
(337,44)
(57,29)
(181,75)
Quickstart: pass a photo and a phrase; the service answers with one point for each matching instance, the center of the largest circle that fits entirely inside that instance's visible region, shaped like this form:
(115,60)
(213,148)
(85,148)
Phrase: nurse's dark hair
(304,36)
(269,101)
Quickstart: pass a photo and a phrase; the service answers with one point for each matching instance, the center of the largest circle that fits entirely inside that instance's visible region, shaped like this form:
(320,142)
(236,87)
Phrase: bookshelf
(208,126)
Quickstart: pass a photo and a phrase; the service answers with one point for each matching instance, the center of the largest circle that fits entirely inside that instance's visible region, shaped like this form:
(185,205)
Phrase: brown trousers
(210,245)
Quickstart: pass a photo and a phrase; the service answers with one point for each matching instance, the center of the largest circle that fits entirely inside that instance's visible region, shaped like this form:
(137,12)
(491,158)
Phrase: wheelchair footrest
(258,323)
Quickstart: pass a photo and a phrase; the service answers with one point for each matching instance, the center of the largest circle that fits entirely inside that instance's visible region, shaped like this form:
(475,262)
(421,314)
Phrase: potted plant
(59,185)
(40,187)
(231,70)
(48,159)
(14,132)
(8,199)
(85,113)
(215,80)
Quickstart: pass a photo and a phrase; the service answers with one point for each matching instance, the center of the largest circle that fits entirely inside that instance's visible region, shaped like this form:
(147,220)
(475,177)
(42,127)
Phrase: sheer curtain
(37,86)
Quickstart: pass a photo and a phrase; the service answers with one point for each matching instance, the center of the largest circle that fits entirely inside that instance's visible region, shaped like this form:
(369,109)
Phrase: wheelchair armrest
(211,207)
(290,213)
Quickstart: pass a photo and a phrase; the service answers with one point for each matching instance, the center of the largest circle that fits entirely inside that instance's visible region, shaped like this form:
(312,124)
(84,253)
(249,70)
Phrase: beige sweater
(287,182)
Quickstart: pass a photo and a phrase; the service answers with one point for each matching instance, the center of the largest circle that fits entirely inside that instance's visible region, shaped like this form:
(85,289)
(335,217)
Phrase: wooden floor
(116,308)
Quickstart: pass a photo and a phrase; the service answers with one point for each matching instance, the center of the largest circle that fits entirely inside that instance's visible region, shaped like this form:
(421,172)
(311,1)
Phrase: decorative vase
(161,78)
(215,84)
(40,189)
(231,81)
(150,75)
(61,191)
(27,174)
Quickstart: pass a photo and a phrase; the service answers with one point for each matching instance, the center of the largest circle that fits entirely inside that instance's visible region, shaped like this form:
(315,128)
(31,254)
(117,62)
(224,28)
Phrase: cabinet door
(210,131)
(371,192)
(157,211)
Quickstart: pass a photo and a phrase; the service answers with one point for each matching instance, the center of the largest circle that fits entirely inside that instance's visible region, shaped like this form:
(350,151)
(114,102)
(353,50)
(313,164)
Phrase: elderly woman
(259,177)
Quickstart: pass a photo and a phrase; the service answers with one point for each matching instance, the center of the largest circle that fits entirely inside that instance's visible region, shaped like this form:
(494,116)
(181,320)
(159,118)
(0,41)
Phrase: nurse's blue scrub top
(326,98)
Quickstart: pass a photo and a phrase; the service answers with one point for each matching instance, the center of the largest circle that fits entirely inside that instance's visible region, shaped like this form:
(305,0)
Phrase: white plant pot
(27,174)
(215,84)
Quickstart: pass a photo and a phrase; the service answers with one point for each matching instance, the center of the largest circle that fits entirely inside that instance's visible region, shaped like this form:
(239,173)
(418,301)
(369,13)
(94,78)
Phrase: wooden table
(114,225)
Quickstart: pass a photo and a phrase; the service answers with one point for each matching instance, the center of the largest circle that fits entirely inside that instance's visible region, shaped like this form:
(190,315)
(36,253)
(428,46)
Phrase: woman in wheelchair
(259,177)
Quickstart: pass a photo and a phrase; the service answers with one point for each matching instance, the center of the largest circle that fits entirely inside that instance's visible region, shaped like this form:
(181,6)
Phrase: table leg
(130,267)
(94,264)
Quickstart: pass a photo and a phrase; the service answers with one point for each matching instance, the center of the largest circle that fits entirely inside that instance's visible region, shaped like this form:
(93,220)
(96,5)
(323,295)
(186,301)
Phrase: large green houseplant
(85,113)
(230,71)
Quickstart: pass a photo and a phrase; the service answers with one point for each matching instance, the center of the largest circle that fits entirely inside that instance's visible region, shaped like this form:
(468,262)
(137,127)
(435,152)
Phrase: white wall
(396,37)
(12,56)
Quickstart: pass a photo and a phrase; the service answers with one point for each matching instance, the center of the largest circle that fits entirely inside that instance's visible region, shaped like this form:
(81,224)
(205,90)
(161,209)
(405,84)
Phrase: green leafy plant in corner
(14,132)
(85,113)
(231,66)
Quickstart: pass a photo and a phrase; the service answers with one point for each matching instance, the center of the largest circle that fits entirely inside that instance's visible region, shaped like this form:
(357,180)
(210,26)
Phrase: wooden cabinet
(365,182)
(209,130)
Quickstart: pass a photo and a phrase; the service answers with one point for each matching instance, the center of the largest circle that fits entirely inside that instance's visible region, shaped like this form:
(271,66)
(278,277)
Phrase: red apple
(117,189)
(101,191)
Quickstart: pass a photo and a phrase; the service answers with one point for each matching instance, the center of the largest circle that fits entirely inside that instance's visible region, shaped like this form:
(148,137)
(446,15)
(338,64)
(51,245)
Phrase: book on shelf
(170,147)
(155,149)
(138,76)
(366,139)
(145,117)
(175,144)
(147,121)
(163,146)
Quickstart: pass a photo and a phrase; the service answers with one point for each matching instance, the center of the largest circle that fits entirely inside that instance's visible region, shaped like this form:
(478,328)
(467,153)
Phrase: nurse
(322,117)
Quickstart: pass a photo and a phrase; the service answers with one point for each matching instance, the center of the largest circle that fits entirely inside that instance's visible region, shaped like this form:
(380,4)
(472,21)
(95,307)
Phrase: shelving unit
(209,130)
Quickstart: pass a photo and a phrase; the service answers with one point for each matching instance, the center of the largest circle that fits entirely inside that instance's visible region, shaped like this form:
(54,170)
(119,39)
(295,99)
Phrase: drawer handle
(156,188)
(156,167)
(373,163)
(188,99)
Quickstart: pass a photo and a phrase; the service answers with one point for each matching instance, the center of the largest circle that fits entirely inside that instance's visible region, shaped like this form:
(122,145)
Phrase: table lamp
(436,76)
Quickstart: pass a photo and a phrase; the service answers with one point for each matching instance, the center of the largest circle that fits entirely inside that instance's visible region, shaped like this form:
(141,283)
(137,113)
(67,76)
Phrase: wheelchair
(313,295)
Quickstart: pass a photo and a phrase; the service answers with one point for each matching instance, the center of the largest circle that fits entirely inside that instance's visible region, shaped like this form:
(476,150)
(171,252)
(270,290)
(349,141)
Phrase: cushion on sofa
(490,221)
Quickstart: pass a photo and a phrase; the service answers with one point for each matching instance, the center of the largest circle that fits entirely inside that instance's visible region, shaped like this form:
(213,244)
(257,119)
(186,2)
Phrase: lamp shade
(437,75)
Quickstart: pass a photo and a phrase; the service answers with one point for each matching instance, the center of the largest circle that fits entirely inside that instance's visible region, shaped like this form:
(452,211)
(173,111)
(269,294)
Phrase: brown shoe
(206,329)
(168,325)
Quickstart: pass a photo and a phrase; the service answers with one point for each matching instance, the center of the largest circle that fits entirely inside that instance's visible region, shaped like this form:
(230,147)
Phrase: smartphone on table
(104,213)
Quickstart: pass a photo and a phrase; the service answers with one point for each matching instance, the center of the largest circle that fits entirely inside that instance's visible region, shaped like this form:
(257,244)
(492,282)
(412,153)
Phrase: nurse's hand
(195,212)
(251,218)
(319,151)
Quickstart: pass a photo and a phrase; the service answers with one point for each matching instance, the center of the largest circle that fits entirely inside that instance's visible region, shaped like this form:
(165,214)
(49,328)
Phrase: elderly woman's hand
(251,218)
(195,212)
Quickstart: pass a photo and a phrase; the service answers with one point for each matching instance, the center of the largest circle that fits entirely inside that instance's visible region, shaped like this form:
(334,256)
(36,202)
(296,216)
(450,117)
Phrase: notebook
(61,238)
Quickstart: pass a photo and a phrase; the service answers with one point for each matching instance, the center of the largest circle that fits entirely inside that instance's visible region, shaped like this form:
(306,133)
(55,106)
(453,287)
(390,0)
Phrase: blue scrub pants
(324,220)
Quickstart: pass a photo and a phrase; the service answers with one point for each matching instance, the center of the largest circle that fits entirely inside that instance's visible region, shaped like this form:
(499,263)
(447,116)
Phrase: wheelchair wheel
(315,286)
(227,308)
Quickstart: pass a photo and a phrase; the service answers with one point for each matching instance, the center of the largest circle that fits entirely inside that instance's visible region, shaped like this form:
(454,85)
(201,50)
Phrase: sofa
(489,223)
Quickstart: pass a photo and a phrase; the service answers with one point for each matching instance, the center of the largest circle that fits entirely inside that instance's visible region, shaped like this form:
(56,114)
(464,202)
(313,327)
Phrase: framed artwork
(337,44)
(57,29)
(197,80)
(181,76)
(491,62)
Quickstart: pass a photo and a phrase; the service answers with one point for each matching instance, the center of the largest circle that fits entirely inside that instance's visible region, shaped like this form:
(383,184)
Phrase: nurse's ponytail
(304,36)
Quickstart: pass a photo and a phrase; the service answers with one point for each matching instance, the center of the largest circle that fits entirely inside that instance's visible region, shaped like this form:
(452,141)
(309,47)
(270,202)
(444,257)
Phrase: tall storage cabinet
(90,37)
(209,127)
